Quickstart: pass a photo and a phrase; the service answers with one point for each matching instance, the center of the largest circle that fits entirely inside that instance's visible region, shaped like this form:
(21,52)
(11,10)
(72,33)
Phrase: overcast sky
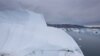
(60,11)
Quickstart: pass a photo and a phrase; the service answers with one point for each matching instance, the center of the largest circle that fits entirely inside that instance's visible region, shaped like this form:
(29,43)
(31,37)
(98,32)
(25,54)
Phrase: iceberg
(25,33)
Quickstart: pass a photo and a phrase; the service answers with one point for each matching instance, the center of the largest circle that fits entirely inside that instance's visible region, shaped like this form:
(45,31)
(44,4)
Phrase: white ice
(23,31)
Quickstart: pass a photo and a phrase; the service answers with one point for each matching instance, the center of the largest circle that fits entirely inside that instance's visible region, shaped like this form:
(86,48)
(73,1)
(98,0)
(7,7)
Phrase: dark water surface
(88,42)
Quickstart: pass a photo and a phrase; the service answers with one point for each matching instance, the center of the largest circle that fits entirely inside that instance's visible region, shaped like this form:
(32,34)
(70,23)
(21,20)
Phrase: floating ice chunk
(22,32)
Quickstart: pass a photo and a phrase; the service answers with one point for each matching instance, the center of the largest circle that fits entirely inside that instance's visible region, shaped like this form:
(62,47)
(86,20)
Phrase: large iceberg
(25,33)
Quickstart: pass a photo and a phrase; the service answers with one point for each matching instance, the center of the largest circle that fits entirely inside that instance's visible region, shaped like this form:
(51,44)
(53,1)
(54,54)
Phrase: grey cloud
(60,11)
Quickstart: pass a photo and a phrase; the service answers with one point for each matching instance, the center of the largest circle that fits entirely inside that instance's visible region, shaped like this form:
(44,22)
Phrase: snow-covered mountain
(77,28)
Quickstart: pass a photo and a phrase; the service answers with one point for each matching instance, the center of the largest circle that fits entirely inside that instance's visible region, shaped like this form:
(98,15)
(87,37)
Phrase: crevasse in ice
(25,33)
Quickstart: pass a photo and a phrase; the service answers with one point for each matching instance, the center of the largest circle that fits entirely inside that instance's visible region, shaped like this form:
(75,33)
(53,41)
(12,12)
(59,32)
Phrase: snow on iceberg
(25,33)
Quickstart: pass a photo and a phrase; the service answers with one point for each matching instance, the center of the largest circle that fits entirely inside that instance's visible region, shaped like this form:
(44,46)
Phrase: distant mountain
(71,26)
(93,26)
(65,26)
